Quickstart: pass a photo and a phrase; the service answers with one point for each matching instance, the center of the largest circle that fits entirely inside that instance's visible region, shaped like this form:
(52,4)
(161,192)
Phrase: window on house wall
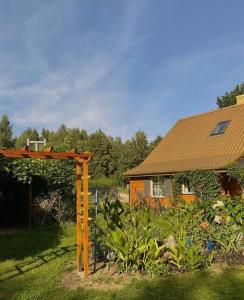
(186,189)
(220,128)
(157,188)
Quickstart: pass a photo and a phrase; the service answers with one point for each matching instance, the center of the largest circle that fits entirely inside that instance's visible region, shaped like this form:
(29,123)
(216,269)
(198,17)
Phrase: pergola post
(78,214)
(85,220)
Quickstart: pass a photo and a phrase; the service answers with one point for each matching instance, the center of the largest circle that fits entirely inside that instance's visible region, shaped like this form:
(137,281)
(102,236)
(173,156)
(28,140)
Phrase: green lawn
(32,266)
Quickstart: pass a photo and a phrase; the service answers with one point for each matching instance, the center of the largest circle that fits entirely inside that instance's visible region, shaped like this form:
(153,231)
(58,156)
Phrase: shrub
(52,208)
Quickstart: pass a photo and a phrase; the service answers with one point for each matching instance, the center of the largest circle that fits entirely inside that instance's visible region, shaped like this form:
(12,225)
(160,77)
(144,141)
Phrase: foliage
(137,149)
(229,98)
(205,184)
(100,144)
(134,239)
(104,182)
(112,155)
(227,238)
(6,133)
(4,166)
(30,133)
(227,209)
(236,172)
(155,142)
(52,207)
(112,211)
(24,170)
(57,174)
(176,239)
(184,255)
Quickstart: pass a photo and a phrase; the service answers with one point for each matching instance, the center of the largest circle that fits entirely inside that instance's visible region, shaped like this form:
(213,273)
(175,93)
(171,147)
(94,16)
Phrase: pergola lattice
(82,194)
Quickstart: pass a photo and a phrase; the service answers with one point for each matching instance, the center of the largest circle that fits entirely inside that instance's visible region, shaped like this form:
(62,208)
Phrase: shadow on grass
(28,243)
(200,286)
(34,262)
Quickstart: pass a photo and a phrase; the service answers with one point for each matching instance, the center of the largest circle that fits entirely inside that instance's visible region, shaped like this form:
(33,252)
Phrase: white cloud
(89,94)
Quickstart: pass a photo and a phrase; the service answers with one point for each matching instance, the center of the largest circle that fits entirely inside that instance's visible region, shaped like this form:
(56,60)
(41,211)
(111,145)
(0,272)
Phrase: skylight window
(220,128)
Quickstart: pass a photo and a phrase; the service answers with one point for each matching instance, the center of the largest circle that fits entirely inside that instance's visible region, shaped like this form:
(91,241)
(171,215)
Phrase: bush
(52,208)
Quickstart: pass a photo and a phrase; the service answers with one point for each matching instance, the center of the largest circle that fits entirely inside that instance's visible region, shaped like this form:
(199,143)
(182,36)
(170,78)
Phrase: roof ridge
(211,111)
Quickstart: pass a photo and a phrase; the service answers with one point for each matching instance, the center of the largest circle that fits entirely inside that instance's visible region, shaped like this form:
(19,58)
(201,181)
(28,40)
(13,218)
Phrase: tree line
(113,156)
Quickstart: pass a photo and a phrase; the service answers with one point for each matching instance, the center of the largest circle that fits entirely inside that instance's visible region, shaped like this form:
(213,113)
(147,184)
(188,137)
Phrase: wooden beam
(78,214)
(85,219)
(44,154)
(72,151)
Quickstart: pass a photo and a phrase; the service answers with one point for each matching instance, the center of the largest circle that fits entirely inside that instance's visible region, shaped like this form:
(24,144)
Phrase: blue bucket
(210,246)
(188,241)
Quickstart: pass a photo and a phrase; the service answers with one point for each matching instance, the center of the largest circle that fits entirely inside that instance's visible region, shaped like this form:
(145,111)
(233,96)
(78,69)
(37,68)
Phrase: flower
(218,204)
(228,219)
(217,219)
(204,224)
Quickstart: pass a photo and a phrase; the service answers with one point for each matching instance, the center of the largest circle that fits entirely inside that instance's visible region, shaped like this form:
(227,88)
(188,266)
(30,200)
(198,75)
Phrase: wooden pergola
(82,194)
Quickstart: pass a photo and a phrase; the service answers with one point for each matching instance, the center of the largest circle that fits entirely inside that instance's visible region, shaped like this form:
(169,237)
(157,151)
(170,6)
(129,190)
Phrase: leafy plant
(226,237)
(185,256)
(135,241)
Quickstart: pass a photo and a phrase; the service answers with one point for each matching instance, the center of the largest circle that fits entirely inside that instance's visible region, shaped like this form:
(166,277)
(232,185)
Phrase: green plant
(226,237)
(237,173)
(136,241)
(184,255)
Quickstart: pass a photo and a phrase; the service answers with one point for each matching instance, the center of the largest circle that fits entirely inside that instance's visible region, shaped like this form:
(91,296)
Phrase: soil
(110,279)
(103,278)
(71,280)
(231,259)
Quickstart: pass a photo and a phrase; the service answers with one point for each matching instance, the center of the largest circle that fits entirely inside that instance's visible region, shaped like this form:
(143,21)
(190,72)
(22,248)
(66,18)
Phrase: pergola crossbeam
(44,154)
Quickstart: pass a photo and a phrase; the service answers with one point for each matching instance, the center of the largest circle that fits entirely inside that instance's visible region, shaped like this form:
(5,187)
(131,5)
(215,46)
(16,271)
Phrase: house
(208,141)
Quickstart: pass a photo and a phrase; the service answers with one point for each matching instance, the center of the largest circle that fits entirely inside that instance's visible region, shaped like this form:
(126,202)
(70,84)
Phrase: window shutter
(168,187)
(147,185)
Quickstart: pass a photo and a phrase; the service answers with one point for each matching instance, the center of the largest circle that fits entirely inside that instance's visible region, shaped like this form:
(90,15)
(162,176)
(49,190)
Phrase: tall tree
(116,156)
(30,133)
(45,134)
(229,98)
(57,138)
(74,139)
(155,142)
(101,145)
(136,150)
(6,132)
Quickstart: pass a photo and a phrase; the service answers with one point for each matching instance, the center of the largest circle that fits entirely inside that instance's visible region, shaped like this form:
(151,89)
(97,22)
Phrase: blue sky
(118,65)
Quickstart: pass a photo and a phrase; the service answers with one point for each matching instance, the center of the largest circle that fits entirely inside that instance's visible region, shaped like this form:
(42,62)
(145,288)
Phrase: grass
(32,265)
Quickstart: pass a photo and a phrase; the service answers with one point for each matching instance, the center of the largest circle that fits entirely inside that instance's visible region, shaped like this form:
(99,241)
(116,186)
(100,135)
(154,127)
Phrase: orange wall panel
(188,198)
(136,186)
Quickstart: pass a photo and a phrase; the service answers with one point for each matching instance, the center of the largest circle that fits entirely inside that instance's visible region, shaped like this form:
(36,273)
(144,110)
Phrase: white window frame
(185,190)
(152,189)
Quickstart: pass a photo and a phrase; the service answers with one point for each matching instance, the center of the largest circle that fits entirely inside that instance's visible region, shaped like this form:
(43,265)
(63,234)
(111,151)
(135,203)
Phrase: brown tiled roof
(189,145)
